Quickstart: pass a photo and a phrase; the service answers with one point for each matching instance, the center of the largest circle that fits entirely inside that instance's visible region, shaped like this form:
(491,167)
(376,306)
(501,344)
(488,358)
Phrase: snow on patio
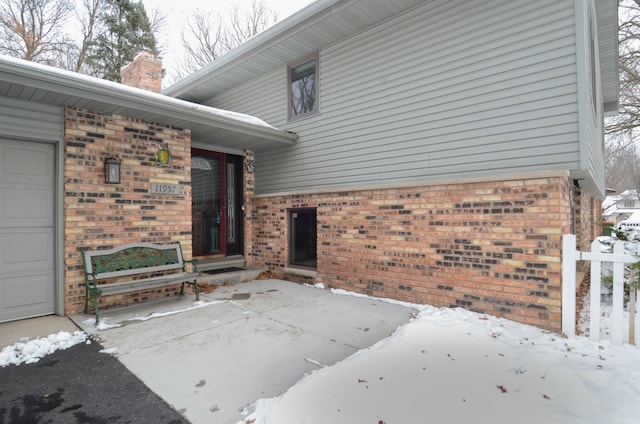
(452,365)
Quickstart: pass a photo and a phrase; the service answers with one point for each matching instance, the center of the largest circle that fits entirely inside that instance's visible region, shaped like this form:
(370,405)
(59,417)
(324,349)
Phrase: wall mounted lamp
(112,170)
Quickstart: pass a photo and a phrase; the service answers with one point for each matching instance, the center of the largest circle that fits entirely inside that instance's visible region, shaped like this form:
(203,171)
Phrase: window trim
(316,110)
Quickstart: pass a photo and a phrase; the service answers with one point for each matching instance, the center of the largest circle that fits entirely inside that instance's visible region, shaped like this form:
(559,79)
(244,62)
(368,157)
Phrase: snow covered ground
(31,351)
(456,366)
(447,365)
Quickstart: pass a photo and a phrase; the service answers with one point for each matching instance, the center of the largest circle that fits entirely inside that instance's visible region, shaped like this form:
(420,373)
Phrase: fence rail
(570,256)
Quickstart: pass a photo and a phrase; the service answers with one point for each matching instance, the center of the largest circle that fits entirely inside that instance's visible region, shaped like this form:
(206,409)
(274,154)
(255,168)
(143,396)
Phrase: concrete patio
(212,359)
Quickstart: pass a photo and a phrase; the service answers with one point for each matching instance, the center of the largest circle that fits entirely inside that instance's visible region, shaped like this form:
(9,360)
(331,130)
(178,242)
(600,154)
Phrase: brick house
(56,130)
(392,154)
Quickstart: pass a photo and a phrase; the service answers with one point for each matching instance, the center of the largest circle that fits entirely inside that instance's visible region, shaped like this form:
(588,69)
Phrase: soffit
(314,27)
(607,18)
(37,83)
(327,21)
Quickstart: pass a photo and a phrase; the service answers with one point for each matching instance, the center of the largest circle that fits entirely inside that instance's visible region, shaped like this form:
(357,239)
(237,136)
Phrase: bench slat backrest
(132,259)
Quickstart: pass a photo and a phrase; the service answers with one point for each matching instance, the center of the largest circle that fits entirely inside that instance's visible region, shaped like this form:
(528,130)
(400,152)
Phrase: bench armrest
(91,280)
(193,262)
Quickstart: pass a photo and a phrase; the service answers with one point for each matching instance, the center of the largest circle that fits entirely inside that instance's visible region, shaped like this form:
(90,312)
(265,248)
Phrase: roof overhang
(324,22)
(321,23)
(607,19)
(43,84)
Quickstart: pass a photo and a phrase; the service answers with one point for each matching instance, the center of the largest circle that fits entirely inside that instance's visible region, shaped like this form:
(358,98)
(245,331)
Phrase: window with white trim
(303,88)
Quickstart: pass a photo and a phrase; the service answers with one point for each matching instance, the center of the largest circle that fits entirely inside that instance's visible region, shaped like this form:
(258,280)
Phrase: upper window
(303,88)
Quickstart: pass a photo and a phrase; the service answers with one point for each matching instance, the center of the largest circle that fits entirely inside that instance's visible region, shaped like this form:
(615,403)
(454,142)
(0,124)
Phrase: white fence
(618,323)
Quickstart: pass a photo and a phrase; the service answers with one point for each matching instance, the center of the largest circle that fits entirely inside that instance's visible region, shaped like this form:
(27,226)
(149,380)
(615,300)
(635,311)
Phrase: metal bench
(156,265)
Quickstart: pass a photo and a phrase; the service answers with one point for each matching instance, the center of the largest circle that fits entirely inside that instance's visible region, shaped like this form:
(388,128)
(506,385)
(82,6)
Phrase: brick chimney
(144,72)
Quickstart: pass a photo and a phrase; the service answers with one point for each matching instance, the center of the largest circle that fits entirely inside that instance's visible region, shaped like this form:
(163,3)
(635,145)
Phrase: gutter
(256,45)
(110,93)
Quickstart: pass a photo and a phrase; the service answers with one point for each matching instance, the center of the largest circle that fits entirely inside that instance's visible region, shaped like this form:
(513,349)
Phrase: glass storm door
(216,203)
(206,202)
(234,234)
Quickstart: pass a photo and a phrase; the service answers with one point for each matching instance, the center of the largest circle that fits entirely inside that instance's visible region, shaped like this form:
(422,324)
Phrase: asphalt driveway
(79,385)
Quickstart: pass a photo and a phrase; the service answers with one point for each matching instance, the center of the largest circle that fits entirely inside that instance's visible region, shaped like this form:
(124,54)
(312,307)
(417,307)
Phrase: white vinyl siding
(590,173)
(30,120)
(264,97)
(449,89)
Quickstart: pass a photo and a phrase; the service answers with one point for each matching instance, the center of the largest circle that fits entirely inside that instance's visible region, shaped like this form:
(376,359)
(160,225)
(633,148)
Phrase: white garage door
(26,229)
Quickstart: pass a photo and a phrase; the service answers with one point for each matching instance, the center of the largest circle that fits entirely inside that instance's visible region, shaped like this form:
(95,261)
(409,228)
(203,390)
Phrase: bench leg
(195,285)
(95,308)
(86,301)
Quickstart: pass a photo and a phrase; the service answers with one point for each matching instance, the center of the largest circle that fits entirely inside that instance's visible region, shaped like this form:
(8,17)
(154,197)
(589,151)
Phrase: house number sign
(173,189)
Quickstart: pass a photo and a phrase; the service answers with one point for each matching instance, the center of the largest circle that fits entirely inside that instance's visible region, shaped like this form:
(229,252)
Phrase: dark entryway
(217,193)
(303,239)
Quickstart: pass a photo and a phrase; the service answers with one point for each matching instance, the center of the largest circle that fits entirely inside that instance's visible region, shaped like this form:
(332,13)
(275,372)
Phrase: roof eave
(252,47)
(607,21)
(114,94)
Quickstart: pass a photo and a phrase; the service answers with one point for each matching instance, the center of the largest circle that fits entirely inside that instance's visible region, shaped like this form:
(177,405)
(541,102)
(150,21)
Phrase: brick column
(99,215)
(248,173)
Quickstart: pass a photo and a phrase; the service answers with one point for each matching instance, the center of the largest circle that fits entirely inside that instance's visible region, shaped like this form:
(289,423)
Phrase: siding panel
(449,89)
(29,120)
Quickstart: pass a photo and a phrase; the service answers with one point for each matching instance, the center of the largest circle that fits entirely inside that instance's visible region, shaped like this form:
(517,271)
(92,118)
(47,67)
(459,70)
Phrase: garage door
(26,229)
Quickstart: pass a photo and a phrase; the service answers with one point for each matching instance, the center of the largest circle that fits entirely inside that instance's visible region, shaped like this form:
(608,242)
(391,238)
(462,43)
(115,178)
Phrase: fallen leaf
(361,380)
(502,389)
(545,396)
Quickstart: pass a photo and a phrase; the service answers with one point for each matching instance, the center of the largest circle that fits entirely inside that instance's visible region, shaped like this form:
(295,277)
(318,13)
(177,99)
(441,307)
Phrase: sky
(176,13)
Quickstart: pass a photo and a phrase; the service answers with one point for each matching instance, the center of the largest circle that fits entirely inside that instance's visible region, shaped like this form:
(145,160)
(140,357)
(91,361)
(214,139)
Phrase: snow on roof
(610,203)
(60,87)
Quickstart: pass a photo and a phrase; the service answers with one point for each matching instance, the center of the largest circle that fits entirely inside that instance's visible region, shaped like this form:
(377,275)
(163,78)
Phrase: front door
(216,183)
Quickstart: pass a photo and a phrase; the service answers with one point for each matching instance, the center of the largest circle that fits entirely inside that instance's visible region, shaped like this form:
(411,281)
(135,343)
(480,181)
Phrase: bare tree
(206,37)
(244,25)
(623,128)
(621,167)
(202,42)
(32,30)
(622,154)
(88,17)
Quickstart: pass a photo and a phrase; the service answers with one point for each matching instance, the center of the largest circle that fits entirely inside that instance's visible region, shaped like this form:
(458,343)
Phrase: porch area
(212,359)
